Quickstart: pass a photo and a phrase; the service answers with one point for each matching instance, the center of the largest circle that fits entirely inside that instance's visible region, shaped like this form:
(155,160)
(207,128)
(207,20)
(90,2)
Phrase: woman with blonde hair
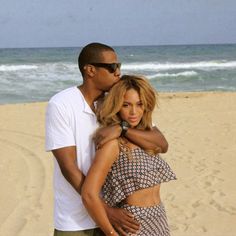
(128,175)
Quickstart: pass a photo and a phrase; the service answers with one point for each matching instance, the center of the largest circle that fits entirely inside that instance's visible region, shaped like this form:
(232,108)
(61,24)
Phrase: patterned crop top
(129,174)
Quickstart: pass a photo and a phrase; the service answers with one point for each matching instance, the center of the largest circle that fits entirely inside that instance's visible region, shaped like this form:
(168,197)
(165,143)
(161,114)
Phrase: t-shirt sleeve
(59,132)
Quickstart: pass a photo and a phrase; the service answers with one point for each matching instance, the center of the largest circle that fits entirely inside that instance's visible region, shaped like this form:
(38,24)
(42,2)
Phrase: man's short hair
(91,53)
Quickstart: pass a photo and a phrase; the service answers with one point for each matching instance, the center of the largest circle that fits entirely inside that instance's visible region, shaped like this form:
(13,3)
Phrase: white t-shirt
(70,122)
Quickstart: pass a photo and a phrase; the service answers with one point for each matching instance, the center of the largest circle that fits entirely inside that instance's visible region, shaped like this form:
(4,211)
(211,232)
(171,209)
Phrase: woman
(128,176)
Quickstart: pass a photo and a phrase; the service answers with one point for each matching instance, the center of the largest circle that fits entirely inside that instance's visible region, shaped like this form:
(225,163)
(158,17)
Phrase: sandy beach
(201,131)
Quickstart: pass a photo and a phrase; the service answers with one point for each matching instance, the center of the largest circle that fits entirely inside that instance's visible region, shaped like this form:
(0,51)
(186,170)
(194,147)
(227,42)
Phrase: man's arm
(149,140)
(60,140)
(66,158)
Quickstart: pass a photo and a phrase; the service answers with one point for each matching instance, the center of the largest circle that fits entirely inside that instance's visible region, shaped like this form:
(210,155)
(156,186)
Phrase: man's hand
(122,220)
(106,134)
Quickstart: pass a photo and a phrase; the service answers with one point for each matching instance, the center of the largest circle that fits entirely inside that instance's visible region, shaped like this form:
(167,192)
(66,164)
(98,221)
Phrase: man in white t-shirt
(70,125)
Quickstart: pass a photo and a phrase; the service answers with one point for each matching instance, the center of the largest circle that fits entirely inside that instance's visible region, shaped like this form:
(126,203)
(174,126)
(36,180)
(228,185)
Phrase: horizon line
(137,45)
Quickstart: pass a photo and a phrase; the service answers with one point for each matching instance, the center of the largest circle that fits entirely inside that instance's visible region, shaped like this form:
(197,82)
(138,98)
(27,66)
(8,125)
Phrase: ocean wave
(185,73)
(61,66)
(201,65)
(151,66)
(17,67)
(42,67)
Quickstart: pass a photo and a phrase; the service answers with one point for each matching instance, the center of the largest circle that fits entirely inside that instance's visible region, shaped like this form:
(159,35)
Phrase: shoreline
(161,94)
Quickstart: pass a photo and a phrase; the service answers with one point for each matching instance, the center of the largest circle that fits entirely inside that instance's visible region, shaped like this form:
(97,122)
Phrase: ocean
(35,74)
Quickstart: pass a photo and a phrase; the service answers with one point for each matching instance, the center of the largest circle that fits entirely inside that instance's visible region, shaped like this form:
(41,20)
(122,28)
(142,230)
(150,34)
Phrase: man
(70,124)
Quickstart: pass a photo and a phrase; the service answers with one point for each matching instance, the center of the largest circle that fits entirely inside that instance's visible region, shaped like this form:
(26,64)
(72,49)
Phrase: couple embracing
(108,170)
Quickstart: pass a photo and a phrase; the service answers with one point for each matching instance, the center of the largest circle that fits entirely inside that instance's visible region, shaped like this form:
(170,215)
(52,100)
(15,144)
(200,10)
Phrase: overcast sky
(68,23)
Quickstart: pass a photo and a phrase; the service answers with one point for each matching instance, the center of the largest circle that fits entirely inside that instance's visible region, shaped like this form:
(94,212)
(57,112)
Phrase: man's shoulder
(65,95)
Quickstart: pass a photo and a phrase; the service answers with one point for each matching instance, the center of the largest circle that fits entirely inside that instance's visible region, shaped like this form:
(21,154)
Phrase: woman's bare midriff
(145,197)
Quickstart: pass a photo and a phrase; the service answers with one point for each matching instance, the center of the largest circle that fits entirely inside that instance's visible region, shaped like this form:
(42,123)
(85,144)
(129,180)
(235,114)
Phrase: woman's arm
(94,181)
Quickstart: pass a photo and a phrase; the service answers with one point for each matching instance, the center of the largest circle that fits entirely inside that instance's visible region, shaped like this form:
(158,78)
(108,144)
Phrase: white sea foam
(41,67)
(153,66)
(201,65)
(185,74)
(60,66)
(17,67)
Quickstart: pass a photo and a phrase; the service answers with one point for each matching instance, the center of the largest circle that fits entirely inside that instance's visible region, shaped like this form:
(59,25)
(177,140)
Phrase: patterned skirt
(153,220)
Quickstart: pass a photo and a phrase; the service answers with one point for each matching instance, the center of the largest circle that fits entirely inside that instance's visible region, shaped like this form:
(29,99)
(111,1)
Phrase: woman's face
(132,108)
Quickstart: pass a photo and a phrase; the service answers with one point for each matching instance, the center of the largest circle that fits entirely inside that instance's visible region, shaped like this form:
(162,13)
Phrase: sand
(201,131)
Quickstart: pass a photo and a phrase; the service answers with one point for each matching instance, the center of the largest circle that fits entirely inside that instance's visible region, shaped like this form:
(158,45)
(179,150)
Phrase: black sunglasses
(111,67)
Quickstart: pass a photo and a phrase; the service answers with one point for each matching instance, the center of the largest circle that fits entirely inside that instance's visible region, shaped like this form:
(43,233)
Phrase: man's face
(106,78)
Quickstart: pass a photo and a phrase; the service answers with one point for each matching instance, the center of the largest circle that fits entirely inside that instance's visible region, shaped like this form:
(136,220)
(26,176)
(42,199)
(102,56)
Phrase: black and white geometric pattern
(133,172)
(153,221)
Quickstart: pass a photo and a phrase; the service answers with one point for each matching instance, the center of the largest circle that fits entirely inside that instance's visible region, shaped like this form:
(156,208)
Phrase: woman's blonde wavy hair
(108,113)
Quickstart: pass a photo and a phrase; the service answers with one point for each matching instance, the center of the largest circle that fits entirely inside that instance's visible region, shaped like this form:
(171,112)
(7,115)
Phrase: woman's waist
(144,197)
